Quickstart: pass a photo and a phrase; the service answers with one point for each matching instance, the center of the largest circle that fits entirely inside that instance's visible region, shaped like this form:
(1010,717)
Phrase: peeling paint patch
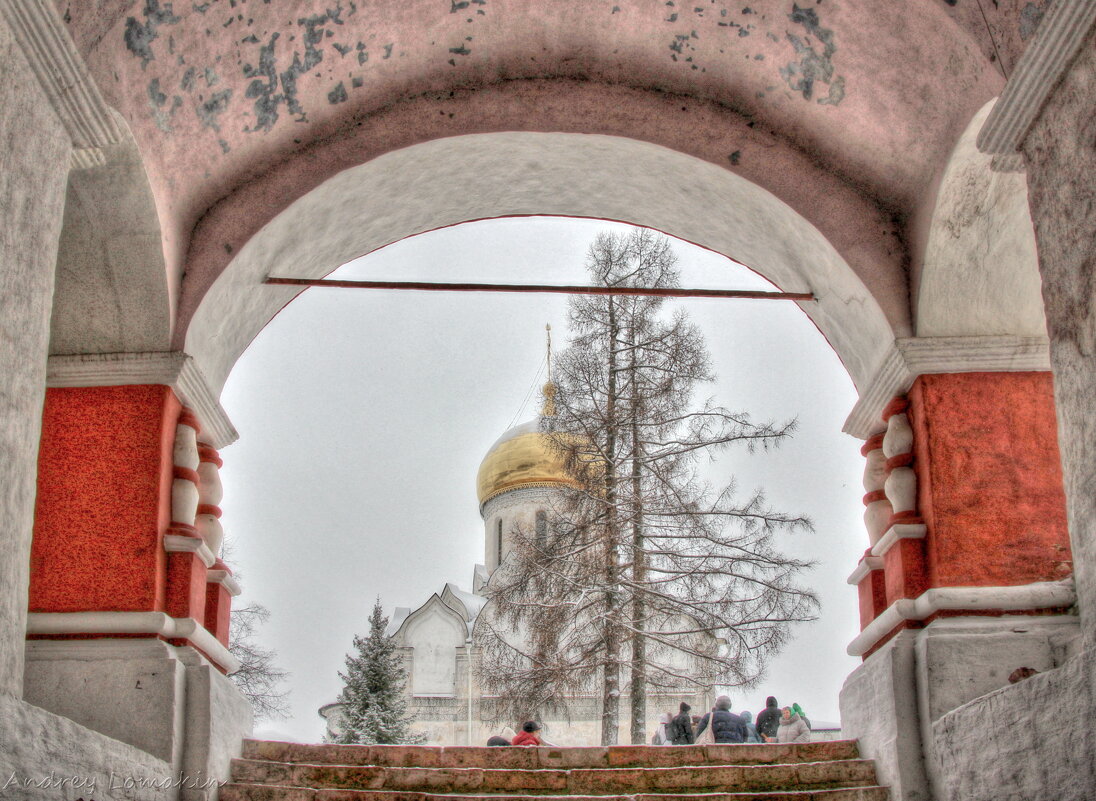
(209,110)
(337,95)
(139,36)
(267,79)
(812,67)
(264,86)
(1030,17)
(460,51)
(157,101)
(155,96)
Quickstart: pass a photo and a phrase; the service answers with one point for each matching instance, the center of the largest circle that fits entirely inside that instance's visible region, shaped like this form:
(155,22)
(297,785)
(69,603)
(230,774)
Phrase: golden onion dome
(522,457)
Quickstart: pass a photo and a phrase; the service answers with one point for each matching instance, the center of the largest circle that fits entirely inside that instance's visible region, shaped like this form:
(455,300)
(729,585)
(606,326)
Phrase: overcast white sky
(363,417)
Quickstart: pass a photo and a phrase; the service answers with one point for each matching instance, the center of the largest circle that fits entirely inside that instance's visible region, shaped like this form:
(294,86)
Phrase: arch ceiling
(844,110)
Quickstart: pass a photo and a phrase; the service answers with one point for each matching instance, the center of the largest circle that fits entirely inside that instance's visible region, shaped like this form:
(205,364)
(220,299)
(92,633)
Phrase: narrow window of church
(498,545)
(542,529)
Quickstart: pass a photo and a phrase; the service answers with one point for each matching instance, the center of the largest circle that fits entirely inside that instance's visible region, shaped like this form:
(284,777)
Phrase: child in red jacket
(527,735)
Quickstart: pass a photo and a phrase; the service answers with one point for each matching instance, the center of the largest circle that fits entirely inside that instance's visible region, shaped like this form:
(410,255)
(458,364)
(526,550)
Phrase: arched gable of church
(433,633)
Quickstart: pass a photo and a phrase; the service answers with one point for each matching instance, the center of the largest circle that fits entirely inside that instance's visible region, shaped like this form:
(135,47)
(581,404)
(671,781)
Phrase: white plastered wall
(981,269)
(112,293)
(434,632)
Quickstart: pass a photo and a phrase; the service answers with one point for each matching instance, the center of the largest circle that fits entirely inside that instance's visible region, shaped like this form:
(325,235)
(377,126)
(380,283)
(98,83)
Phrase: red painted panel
(989,478)
(104,497)
(867,601)
(218,612)
(906,572)
(186,586)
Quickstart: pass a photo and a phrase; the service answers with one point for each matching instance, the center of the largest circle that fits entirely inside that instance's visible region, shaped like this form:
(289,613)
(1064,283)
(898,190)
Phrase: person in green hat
(797,709)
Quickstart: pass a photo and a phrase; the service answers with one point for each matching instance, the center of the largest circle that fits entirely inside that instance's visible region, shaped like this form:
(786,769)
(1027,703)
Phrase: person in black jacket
(727,727)
(768,722)
(680,729)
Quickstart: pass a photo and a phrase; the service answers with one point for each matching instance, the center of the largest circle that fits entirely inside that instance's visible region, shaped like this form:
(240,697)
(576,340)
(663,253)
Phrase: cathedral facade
(439,639)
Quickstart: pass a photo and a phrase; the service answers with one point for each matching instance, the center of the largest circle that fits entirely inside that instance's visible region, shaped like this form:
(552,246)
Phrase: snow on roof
(471,602)
(401,614)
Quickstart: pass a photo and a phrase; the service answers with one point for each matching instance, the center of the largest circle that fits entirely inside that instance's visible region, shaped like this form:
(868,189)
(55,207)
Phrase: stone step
(531,758)
(235,791)
(549,781)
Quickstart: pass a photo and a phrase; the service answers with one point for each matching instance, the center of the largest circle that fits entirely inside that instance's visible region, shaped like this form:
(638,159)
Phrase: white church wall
(434,634)
(514,509)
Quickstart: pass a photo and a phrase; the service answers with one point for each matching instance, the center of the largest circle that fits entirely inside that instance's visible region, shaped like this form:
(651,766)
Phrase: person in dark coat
(680,729)
(727,727)
(751,731)
(768,722)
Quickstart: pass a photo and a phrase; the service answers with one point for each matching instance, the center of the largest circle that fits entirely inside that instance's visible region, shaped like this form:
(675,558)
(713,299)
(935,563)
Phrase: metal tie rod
(661,292)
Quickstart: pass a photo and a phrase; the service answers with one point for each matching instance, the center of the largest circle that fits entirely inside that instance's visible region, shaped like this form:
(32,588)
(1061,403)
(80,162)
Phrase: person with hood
(727,727)
(751,730)
(768,721)
(681,727)
(792,728)
(662,733)
(797,709)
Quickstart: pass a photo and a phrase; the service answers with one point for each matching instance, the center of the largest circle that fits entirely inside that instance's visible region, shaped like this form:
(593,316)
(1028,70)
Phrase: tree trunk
(610,706)
(638,695)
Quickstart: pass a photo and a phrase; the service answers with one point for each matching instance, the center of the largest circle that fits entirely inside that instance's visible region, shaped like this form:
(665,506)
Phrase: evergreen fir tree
(374,707)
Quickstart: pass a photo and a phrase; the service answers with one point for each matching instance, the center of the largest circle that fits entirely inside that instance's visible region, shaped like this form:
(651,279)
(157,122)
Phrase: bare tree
(646,564)
(258,678)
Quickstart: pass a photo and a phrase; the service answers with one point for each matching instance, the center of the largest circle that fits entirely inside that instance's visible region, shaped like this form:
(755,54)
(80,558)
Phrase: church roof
(470,604)
(396,621)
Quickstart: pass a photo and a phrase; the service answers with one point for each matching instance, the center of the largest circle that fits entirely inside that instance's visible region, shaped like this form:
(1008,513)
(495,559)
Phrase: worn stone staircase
(824,771)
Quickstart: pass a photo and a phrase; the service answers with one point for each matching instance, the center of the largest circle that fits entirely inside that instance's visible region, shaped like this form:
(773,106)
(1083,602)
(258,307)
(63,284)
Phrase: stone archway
(916,100)
(570,175)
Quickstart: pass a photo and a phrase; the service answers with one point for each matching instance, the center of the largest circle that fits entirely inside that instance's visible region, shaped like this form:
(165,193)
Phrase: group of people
(774,725)
(527,736)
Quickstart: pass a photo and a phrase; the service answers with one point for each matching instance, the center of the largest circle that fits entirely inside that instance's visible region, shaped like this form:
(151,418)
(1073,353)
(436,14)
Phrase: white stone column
(32,184)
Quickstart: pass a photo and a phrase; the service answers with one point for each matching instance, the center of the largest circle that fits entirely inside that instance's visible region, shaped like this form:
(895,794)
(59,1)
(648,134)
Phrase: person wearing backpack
(680,730)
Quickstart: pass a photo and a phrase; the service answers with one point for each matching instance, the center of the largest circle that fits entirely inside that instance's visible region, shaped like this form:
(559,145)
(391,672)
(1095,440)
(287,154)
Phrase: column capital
(910,357)
(64,78)
(1060,35)
(174,369)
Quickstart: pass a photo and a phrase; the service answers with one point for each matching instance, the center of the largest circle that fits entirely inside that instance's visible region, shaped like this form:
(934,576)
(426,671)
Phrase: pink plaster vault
(844,110)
